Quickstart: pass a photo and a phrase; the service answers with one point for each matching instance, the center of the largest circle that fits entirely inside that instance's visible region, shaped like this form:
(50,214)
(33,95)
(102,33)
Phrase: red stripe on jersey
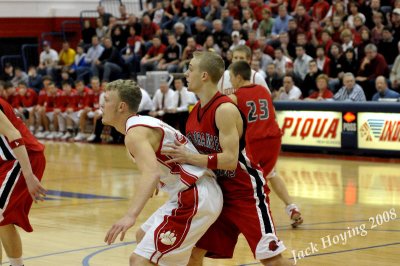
(178,223)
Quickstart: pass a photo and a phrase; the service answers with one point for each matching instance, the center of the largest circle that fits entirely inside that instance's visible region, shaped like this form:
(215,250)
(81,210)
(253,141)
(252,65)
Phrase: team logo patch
(273,245)
(168,238)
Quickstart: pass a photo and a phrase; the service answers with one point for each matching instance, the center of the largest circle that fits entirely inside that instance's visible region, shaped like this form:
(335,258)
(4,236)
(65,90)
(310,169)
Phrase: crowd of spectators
(305,50)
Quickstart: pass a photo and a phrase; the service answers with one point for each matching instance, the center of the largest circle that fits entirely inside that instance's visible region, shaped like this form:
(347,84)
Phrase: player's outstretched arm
(36,190)
(141,143)
(230,126)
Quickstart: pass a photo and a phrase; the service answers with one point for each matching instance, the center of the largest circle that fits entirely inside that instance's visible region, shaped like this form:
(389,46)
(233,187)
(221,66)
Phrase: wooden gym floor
(90,187)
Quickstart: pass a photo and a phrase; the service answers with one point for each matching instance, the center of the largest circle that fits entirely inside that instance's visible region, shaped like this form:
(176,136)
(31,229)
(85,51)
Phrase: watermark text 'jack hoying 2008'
(343,238)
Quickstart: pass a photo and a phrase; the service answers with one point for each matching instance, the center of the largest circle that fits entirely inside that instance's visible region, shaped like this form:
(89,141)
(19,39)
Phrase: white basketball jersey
(175,176)
(225,85)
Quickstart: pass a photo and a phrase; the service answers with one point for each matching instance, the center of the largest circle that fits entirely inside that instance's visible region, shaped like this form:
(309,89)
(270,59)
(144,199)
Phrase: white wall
(46,8)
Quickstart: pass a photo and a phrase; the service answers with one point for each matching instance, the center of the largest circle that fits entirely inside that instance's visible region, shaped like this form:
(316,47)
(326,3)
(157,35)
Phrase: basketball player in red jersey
(243,53)
(22,165)
(262,129)
(217,130)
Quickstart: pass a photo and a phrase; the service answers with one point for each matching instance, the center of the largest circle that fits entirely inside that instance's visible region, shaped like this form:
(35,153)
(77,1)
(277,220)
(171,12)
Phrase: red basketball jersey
(255,103)
(202,131)
(31,144)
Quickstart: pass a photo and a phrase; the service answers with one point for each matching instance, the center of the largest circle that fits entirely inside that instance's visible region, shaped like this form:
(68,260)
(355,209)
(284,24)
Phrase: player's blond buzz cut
(212,63)
(244,49)
(128,91)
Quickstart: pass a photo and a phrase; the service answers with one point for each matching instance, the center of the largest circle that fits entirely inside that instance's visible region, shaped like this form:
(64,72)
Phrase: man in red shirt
(22,164)
(221,144)
(150,61)
(26,100)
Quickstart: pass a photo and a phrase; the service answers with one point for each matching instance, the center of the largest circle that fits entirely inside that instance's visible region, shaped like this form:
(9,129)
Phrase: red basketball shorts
(265,152)
(15,200)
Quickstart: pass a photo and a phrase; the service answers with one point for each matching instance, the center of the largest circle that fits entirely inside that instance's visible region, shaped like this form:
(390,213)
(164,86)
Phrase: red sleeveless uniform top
(201,130)
(255,103)
(31,143)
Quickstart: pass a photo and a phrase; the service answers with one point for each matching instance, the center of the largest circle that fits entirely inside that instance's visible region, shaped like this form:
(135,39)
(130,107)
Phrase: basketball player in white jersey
(243,53)
(240,53)
(195,202)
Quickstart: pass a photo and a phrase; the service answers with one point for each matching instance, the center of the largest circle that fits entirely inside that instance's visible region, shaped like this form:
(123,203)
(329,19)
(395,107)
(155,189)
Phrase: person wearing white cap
(236,40)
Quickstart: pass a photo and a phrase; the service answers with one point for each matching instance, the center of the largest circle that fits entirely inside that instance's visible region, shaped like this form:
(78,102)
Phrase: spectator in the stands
(293,30)
(274,81)
(309,85)
(396,23)
(387,46)
(104,15)
(163,100)
(34,79)
(218,32)
(320,10)
(383,91)
(123,14)
(210,45)
(133,52)
(302,18)
(347,39)
(214,10)
(48,60)
(376,32)
(288,91)
(353,11)
(20,76)
(265,26)
(373,65)
(202,31)
(187,54)
(119,37)
(150,61)
(8,72)
(323,61)
(281,22)
(309,49)
(101,29)
(110,61)
(93,54)
(236,40)
(249,22)
(237,26)
(335,66)
(149,30)
(349,63)
(301,62)
(79,62)
(66,56)
(87,32)
(180,34)
(395,72)
(351,91)
(323,91)
(172,55)
(227,21)
(281,61)
(178,113)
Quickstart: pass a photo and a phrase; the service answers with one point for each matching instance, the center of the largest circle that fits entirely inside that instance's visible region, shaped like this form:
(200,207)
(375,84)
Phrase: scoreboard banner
(310,128)
(378,131)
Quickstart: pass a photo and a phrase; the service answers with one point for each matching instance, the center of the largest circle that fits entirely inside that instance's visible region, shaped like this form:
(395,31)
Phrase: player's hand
(36,190)
(120,227)
(177,151)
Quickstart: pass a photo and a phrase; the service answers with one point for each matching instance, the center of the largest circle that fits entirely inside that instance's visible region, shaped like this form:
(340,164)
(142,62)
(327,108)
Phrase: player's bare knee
(136,260)
(197,256)
(139,235)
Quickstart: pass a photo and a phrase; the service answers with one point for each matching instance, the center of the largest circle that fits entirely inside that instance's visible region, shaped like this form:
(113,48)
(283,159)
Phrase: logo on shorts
(168,238)
(273,245)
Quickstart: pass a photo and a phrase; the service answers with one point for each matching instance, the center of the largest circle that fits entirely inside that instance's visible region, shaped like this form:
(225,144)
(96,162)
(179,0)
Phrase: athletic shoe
(80,137)
(66,136)
(294,213)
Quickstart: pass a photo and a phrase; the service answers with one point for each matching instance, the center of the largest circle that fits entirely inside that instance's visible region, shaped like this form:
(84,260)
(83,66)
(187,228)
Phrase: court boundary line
(334,252)
(85,261)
